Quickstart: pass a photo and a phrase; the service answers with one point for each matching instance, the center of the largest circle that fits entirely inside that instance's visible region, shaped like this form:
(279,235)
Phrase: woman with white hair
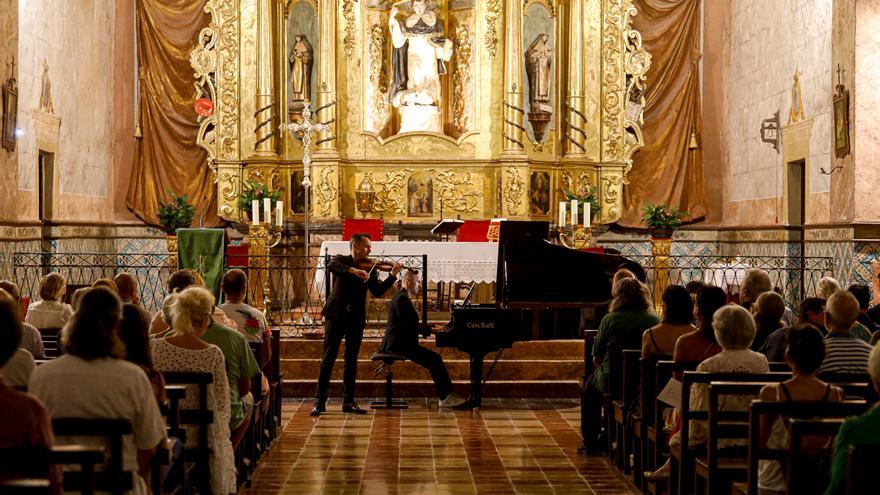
(827,286)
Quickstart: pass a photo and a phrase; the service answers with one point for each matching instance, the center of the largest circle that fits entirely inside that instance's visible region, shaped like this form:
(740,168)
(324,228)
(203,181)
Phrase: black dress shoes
(353,408)
(318,409)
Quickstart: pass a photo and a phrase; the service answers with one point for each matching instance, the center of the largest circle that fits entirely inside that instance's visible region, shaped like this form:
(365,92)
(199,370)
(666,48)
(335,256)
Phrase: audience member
(31,340)
(105,386)
(756,282)
(844,352)
(701,344)
(134,332)
(25,421)
(190,312)
(178,281)
(49,311)
(787,314)
(812,311)
(621,274)
(767,310)
(106,282)
(678,315)
(874,311)
(864,429)
(630,315)
(127,286)
(827,286)
(18,367)
(250,320)
(804,354)
(694,287)
(77,295)
(865,328)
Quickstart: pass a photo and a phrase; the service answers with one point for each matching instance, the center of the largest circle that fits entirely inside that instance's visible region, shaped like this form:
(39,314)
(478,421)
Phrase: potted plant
(176,214)
(253,190)
(586,196)
(661,220)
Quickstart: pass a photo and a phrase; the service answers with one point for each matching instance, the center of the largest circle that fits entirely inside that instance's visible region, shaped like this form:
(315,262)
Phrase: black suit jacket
(348,297)
(402,331)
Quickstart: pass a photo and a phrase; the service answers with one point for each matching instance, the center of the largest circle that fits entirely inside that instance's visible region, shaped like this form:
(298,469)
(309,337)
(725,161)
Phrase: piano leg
(476,398)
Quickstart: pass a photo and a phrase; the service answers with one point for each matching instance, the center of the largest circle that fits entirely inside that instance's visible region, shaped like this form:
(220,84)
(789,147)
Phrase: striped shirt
(845,353)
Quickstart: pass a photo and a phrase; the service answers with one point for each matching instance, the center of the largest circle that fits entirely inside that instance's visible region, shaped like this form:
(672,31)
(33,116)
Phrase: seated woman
(49,311)
(134,332)
(678,316)
(91,381)
(804,354)
(767,310)
(190,312)
(864,429)
(178,281)
(700,344)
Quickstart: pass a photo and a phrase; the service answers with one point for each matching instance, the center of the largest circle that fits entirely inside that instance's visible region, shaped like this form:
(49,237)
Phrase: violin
(370,264)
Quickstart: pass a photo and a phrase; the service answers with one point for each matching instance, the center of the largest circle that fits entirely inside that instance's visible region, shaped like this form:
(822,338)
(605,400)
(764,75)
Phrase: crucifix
(307,128)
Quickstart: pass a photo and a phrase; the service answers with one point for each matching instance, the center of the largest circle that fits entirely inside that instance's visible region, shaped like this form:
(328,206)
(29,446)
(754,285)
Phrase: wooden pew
(172,478)
(51,341)
(34,464)
(682,456)
(276,384)
(113,477)
(196,458)
(802,461)
(628,389)
(643,420)
(589,338)
(860,475)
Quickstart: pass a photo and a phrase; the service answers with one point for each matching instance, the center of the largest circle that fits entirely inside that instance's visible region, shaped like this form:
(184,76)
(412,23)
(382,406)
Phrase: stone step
(561,350)
(367,389)
(459,369)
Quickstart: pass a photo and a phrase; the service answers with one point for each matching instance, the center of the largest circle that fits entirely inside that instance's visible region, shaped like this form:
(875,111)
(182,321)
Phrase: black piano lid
(534,272)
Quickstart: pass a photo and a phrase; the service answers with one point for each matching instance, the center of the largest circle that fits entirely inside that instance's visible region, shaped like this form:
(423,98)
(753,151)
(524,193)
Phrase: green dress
(864,429)
(619,331)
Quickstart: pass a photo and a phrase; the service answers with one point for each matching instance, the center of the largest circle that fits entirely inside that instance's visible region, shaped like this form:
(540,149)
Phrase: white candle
(588,213)
(574,213)
(267,210)
(562,206)
(255,211)
(279,214)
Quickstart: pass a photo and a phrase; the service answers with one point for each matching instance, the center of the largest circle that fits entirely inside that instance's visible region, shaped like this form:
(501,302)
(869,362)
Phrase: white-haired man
(844,352)
(402,337)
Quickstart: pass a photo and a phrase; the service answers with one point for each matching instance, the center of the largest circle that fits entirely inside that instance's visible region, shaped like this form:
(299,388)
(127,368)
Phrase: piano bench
(386,360)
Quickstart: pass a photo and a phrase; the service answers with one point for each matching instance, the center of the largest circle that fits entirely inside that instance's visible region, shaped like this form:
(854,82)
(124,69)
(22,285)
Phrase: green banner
(202,250)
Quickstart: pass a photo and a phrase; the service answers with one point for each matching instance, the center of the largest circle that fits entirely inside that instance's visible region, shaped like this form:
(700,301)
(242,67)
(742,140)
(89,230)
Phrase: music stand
(446,227)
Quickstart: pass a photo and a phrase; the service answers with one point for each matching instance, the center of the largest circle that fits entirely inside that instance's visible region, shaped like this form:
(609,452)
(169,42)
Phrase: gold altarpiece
(487,161)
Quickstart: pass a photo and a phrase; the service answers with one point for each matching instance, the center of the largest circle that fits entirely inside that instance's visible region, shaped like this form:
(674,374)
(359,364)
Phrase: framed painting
(841,122)
(10,113)
(420,195)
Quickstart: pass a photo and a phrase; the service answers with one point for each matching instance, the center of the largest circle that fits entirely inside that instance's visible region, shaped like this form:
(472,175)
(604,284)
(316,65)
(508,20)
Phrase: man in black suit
(344,316)
(402,337)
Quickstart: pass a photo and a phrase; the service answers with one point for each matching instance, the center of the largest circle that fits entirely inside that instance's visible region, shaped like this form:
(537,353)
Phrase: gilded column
(574,99)
(266,104)
(327,74)
(513,96)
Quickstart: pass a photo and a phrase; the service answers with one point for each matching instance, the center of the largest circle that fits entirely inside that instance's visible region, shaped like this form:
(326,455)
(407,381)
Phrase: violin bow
(369,273)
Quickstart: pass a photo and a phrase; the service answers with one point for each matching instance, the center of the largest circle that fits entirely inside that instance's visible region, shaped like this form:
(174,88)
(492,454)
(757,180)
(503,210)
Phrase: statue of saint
(301,68)
(420,49)
(538,58)
(46,91)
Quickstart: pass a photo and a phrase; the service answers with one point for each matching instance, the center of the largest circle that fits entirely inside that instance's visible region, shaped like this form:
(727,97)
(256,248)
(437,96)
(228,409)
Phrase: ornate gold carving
(493,12)
(612,184)
(585,180)
(514,187)
(612,78)
(550,4)
(348,14)
(637,61)
(389,190)
(461,78)
(326,191)
(456,190)
(378,77)
(228,185)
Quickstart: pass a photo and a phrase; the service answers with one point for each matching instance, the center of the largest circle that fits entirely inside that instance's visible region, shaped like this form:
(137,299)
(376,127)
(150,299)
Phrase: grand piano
(540,291)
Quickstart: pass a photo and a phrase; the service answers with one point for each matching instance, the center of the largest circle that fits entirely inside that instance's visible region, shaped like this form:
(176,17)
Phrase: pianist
(402,337)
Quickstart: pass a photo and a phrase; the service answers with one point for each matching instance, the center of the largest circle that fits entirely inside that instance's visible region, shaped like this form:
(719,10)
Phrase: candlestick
(562,207)
(267,210)
(588,213)
(255,212)
(279,214)
(574,213)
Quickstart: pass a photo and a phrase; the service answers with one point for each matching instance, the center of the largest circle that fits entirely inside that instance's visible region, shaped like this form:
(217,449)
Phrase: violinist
(345,316)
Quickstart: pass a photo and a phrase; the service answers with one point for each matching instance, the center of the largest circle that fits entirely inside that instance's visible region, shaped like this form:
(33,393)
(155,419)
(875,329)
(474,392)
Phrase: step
(563,350)
(425,388)
(459,369)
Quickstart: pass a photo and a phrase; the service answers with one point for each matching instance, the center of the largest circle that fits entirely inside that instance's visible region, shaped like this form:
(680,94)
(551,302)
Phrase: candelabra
(575,236)
(263,237)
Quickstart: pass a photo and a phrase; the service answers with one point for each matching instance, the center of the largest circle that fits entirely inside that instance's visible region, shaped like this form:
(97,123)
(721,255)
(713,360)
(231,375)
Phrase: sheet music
(671,393)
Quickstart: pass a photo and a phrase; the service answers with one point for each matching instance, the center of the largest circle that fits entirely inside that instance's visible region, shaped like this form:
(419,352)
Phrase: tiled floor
(511,446)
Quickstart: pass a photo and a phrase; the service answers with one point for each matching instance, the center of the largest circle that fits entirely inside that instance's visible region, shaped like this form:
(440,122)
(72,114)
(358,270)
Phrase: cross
(307,128)
(839,71)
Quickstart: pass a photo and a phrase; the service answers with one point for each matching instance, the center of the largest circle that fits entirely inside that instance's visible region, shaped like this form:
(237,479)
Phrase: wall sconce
(365,197)
(770,131)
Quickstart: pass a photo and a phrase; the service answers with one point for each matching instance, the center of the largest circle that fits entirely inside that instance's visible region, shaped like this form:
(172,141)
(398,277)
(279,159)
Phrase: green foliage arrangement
(587,196)
(662,217)
(176,214)
(252,190)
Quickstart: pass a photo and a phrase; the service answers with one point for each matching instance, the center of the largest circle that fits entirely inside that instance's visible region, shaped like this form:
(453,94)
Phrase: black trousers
(334,331)
(591,415)
(429,359)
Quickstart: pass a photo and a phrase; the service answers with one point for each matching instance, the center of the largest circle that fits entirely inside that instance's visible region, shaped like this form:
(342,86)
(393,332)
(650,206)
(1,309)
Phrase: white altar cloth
(447,261)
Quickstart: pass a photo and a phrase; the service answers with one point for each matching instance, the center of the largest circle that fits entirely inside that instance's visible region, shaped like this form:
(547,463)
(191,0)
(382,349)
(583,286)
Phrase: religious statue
(420,50)
(796,114)
(538,58)
(46,91)
(301,68)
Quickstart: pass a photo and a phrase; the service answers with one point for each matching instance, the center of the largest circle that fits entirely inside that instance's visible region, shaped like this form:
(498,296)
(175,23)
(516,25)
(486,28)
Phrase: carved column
(574,99)
(327,74)
(513,96)
(266,142)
